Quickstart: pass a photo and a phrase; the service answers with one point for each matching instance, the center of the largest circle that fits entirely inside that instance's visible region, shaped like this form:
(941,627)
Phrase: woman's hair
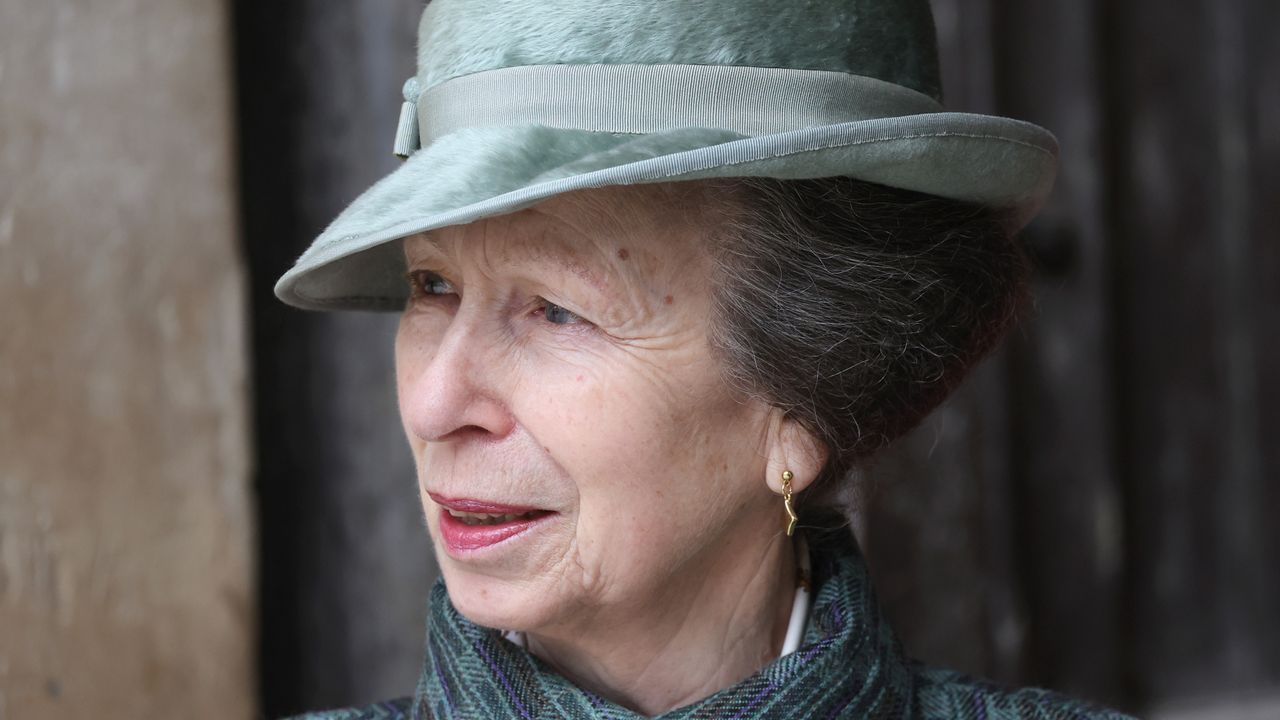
(856,307)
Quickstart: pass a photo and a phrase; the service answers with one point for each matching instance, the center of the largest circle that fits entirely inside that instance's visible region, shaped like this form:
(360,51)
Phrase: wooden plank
(1204,572)
(936,535)
(126,567)
(1070,531)
(346,561)
(1245,348)
(1260,118)
(1226,706)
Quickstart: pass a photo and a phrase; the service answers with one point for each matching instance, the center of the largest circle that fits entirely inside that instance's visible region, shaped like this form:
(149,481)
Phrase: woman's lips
(467,505)
(468,524)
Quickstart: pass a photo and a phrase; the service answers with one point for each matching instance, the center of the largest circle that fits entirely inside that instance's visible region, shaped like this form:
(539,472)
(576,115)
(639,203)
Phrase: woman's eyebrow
(570,265)
(558,259)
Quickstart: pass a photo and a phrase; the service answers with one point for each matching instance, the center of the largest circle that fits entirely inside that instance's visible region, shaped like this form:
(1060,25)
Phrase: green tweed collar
(850,665)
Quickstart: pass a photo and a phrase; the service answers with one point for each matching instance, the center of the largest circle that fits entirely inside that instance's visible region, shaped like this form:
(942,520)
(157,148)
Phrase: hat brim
(470,174)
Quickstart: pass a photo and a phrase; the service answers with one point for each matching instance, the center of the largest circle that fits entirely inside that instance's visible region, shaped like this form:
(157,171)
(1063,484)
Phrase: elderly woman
(669,273)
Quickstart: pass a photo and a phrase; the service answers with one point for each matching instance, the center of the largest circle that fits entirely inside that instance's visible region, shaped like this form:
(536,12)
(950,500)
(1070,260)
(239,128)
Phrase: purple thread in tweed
(502,677)
(444,684)
(755,701)
(979,707)
(808,655)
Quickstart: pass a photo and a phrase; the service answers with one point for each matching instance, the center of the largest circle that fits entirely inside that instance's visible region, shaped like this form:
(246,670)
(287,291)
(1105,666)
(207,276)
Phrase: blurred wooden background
(1093,512)
(345,562)
(126,524)
(1096,507)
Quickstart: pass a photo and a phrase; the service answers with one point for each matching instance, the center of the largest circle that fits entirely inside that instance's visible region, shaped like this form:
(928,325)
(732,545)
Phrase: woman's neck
(713,628)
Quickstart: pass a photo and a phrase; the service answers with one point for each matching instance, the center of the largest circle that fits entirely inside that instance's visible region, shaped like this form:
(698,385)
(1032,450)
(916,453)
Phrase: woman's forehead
(587,233)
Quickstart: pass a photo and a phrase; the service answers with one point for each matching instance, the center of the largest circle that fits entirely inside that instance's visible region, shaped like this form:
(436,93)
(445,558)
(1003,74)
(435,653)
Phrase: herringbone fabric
(850,666)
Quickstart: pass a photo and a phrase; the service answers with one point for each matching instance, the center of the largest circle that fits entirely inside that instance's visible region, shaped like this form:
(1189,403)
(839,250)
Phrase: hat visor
(482,172)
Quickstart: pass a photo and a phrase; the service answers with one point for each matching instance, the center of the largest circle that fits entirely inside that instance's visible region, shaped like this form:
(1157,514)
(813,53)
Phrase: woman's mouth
(470,525)
(472,519)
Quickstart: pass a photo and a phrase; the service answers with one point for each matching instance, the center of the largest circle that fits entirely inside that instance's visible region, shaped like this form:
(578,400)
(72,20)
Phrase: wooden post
(125,526)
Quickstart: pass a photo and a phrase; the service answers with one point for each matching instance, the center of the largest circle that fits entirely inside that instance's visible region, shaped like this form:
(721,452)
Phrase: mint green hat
(519,100)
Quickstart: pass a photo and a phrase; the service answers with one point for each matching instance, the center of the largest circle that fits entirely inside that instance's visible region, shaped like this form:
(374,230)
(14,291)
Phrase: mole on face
(667,299)
(623,254)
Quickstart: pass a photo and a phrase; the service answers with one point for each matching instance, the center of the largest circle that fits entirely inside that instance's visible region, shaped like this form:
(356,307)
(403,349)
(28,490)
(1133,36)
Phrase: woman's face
(577,448)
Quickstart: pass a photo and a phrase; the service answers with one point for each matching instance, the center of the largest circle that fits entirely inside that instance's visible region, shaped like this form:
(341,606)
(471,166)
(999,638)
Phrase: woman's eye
(426,284)
(422,282)
(559,316)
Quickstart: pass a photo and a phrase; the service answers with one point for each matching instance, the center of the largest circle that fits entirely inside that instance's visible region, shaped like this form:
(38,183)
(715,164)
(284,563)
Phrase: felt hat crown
(515,101)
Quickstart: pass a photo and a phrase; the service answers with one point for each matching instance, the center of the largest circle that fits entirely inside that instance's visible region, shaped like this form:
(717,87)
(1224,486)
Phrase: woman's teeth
(489,519)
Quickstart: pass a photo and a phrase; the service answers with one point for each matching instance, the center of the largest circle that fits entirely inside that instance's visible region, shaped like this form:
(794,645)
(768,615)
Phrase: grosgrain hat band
(642,99)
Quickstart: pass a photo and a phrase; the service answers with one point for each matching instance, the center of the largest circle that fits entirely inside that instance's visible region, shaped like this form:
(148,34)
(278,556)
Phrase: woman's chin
(496,603)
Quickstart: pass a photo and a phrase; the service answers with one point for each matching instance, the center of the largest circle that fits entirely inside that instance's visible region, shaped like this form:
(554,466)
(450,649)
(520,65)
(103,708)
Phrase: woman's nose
(456,391)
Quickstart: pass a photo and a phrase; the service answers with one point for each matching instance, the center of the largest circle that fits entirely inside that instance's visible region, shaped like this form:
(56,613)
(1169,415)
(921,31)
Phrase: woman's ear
(792,447)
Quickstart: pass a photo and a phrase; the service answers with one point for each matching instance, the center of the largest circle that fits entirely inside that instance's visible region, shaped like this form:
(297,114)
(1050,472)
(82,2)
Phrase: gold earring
(786,502)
